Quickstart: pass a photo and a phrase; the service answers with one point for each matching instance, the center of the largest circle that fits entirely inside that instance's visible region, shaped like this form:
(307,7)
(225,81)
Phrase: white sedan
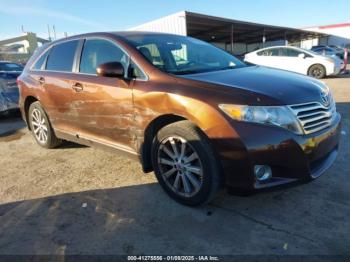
(296,60)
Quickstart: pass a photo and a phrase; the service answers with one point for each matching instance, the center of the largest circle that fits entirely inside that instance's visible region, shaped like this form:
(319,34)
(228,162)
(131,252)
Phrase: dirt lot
(80,200)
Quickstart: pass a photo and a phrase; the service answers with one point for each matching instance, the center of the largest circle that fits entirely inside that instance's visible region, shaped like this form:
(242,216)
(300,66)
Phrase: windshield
(182,55)
(10,67)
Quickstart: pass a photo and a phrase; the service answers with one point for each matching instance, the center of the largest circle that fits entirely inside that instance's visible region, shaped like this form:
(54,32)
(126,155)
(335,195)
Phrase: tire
(38,120)
(317,71)
(191,176)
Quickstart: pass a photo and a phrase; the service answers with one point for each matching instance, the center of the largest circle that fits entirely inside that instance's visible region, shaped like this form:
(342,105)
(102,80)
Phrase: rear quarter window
(40,63)
(61,57)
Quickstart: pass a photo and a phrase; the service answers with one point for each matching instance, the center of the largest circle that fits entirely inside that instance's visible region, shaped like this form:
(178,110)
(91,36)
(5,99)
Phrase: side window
(99,51)
(290,52)
(61,57)
(269,52)
(40,63)
(136,72)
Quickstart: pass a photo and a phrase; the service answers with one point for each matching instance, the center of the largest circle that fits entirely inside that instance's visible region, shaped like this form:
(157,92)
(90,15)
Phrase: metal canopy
(217,29)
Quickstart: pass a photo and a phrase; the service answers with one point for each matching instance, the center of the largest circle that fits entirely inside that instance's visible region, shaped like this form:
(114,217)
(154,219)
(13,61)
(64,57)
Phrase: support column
(231,38)
(264,38)
(285,38)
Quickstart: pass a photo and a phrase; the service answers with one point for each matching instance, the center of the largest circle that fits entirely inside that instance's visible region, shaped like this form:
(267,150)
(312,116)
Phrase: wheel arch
(151,130)
(27,102)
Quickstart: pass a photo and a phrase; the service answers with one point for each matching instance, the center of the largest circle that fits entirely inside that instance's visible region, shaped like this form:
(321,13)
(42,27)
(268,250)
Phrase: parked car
(296,60)
(329,51)
(337,48)
(208,122)
(9,93)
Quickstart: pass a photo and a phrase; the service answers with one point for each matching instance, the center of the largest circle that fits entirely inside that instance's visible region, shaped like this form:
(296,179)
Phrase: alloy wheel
(180,166)
(40,128)
(316,72)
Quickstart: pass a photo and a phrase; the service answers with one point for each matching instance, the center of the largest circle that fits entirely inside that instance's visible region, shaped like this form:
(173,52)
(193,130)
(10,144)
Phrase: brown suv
(191,112)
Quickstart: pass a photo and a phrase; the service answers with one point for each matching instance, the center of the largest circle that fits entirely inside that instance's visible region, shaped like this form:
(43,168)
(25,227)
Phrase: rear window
(61,57)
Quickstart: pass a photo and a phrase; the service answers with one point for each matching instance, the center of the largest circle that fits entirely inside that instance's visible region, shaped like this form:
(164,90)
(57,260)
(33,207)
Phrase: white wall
(339,34)
(307,44)
(174,24)
(341,30)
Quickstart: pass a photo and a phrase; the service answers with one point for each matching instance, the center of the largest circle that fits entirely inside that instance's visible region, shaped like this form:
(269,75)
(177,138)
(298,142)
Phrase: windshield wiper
(192,71)
(186,72)
(227,68)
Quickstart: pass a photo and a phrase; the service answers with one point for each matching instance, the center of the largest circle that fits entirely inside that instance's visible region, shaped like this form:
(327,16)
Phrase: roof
(213,29)
(346,24)
(120,34)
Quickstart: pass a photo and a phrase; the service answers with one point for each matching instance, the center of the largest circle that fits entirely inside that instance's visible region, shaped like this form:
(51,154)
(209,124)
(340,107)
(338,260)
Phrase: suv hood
(280,86)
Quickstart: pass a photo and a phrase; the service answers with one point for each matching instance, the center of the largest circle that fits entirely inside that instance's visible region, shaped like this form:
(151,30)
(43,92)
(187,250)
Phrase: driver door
(292,61)
(268,57)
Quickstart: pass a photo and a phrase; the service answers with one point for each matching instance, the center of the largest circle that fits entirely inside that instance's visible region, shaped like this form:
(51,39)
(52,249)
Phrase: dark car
(9,93)
(329,51)
(192,113)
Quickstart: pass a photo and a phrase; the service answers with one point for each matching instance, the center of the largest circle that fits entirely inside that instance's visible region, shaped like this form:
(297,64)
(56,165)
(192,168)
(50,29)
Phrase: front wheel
(317,71)
(41,127)
(185,163)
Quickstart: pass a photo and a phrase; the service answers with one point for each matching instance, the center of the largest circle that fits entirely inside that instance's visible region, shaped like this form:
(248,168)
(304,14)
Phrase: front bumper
(337,69)
(291,157)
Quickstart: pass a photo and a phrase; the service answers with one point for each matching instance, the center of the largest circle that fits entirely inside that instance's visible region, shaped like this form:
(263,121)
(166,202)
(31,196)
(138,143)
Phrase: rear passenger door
(55,77)
(103,105)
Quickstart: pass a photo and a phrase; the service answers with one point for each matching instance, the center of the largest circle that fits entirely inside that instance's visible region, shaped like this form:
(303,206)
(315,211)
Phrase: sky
(81,16)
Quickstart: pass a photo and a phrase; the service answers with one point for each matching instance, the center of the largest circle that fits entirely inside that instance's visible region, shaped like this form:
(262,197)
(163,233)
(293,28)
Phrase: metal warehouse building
(237,37)
(339,33)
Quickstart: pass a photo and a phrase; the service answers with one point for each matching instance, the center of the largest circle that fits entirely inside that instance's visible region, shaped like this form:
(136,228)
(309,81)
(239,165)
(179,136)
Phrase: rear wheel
(185,164)
(317,71)
(41,127)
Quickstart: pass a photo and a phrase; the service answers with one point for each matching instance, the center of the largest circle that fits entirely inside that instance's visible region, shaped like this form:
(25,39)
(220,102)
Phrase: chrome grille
(314,116)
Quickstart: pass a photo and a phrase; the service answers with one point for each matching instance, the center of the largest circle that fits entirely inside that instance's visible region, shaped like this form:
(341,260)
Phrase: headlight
(271,115)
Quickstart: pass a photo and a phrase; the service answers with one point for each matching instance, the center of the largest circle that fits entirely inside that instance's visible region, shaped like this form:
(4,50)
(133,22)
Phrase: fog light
(262,172)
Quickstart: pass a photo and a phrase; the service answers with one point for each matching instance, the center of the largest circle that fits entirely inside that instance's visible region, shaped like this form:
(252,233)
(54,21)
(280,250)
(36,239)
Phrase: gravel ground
(81,200)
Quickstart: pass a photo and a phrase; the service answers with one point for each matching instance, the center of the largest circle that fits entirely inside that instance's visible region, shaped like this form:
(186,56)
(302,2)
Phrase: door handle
(77,87)
(41,80)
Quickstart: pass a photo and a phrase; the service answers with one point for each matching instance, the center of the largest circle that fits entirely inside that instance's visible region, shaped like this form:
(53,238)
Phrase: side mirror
(110,69)
(301,55)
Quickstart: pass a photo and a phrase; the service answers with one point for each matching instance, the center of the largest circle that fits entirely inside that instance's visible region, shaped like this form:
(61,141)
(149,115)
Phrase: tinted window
(99,51)
(39,65)
(289,52)
(269,52)
(61,57)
